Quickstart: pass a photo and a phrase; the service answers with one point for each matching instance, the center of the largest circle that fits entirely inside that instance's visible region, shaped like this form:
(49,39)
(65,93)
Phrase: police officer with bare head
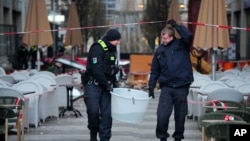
(99,80)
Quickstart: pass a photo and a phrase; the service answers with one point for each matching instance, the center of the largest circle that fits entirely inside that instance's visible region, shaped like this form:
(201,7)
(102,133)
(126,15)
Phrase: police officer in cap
(99,79)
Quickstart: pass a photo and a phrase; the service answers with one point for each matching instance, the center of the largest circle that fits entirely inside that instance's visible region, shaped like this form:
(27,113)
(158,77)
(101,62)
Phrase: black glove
(151,93)
(116,84)
(109,87)
(172,22)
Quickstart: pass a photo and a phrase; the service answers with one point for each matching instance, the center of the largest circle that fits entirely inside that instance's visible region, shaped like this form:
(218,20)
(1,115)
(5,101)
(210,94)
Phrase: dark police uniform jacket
(171,64)
(101,63)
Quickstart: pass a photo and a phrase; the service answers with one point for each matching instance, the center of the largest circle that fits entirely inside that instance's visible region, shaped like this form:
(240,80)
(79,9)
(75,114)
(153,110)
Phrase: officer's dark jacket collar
(110,46)
(170,43)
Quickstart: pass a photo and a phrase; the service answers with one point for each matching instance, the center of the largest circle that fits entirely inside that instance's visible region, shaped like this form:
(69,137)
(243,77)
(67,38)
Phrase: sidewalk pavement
(70,128)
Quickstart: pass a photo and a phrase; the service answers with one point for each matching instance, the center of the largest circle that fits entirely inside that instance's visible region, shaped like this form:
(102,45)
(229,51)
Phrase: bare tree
(156,10)
(91,14)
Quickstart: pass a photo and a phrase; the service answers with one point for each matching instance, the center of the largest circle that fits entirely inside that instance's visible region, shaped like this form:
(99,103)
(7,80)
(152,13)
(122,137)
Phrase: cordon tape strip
(125,24)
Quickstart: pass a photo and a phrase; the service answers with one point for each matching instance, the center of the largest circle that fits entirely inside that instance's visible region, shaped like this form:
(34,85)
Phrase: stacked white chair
(5,84)
(244,74)
(194,87)
(226,97)
(232,71)
(246,68)
(226,94)
(234,82)
(2,71)
(32,115)
(44,73)
(79,88)
(61,91)
(48,105)
(20,76)
(203,92)
(8,78)
(244,89)
(247,79)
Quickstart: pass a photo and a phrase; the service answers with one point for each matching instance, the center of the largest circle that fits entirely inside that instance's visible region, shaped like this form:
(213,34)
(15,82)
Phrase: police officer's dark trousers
(98,103)
(172,98)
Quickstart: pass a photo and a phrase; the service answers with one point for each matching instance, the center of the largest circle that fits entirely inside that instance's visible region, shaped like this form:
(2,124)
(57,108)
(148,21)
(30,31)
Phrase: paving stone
(70,128)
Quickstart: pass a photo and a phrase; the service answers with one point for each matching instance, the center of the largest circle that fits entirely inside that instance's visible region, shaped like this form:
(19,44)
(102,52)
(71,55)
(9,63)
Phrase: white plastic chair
(244,89)
(218,75)
(226,97)
(227,77)
(10,97)
(226,94)
(8,78)
(2,71)
(48,105)
(77,77)
(44,73)
(234,82)
(244,74)
(61,91)
(232,71)
(246,68)
(247,79)
(5,84)
(194,87)
(201,95)
(20,76)
(200,76)
(33,115)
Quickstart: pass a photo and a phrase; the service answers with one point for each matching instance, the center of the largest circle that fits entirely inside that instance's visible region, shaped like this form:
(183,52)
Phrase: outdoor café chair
(195,85)
(44,73)
(220,116)
(220,131)
(241,113)
(8,78)
(48,102)
(244,89)
(234,82)
(32,115)
(62,91)
(2,71)
(5,114)
(201,94)
(227,94)
(20,76)
(12,104)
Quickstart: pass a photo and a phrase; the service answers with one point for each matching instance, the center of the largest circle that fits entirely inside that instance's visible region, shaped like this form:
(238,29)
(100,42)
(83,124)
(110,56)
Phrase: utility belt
(91,81)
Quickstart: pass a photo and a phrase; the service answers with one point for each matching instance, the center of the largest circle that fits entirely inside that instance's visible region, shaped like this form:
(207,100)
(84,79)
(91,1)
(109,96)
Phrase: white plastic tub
(129,105)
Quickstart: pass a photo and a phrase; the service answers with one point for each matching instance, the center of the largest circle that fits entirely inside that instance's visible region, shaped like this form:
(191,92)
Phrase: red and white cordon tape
(80,28)
(125,24)
(218,26)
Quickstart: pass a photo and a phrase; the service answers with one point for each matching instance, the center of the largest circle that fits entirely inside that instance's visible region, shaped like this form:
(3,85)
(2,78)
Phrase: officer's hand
(172,22)
(151,93)
(109,87)
(116,84)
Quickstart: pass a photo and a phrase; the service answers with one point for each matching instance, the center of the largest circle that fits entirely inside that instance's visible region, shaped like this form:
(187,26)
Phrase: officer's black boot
(93,136)
(163,139)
